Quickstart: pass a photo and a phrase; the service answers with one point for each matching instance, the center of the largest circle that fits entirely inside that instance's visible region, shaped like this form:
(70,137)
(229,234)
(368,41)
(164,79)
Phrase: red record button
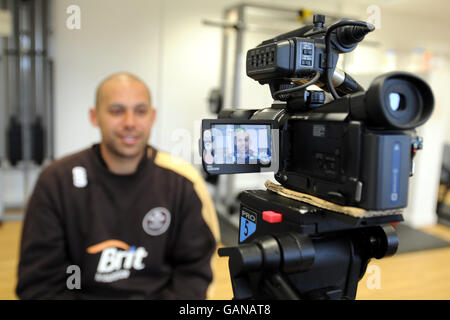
(272,216)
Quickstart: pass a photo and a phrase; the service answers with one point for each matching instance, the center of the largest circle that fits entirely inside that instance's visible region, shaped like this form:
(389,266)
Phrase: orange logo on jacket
(117,259)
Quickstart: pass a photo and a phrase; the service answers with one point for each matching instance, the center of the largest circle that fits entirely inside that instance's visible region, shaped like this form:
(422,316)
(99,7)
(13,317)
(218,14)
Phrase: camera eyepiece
(396,100)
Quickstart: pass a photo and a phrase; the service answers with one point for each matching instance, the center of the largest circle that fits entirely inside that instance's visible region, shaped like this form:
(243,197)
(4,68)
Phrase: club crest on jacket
(156,221)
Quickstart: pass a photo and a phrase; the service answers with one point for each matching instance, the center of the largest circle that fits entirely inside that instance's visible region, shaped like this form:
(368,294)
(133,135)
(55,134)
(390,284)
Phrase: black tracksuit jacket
(151,234)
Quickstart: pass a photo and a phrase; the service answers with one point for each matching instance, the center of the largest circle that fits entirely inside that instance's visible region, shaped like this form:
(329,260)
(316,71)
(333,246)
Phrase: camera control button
(272,216)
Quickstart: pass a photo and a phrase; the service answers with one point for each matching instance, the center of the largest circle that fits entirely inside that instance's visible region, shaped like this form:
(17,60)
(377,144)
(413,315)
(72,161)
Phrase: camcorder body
(354,148)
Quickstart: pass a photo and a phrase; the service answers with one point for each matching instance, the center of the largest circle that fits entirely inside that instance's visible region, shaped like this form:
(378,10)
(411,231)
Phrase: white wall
(189,69)
(114,36)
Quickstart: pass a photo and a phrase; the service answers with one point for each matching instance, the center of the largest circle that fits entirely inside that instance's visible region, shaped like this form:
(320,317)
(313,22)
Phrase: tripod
(292,250)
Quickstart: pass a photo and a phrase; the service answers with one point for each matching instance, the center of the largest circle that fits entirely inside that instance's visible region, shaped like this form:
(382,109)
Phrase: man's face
(242,142)
(125,118)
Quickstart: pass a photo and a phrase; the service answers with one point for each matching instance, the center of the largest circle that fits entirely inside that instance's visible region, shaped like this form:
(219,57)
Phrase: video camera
(354,148)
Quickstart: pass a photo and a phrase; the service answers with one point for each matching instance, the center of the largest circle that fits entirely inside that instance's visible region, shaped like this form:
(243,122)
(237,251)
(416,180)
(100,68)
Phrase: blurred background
(53,54)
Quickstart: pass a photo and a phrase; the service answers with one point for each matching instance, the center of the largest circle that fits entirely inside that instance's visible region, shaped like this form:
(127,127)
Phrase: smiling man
(137,223)
(125,116)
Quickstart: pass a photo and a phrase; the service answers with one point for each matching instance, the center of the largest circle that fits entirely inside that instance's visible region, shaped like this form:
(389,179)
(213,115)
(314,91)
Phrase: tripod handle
(243,258)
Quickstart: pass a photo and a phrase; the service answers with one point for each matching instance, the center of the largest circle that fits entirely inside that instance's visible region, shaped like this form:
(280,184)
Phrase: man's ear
(93,116)
(153,115)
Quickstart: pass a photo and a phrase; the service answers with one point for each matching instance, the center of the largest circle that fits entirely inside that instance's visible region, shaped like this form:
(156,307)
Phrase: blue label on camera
(247,225)
(395,172)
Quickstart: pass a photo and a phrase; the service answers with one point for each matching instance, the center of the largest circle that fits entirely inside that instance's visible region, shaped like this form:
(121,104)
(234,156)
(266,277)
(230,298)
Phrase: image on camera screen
(238,144)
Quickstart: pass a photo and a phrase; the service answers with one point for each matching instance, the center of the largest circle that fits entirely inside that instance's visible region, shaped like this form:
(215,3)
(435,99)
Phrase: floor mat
(411,240)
